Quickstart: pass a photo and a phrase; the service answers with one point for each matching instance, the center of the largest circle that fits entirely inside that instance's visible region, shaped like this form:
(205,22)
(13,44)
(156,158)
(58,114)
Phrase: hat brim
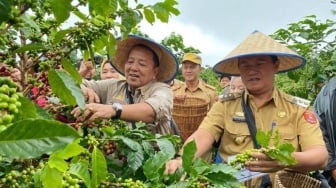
(255,44)
(287,62)
(168,63)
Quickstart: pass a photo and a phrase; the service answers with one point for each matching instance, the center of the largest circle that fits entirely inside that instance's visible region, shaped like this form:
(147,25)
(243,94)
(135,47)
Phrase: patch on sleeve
(310,117)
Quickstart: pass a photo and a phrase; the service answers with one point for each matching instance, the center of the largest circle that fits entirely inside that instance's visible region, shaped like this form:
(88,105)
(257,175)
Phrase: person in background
(193,85)
(224,81)
(257,59)
(16,74)
(86,69)
(236,85)
(107,71)
(175,83)
(143,95)
(12,72)
(325,108)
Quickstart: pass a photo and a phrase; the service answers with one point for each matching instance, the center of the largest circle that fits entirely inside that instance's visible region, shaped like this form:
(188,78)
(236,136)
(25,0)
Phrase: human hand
(173,165)
(333,174)
(180,97)
(93,111)
(87,70)
(90,95)
(263,163)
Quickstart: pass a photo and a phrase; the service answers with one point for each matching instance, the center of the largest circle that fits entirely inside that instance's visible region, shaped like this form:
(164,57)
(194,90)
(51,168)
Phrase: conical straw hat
(168,67)
(258,43)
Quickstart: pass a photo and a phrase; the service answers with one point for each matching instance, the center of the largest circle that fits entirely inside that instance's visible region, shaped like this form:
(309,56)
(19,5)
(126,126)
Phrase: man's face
(237,85)
(139,68)
(257,72)
(225,81)
(108,72)
(190,71)
(16,75)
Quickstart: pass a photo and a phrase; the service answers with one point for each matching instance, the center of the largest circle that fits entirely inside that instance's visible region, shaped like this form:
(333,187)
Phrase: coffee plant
(9,102)
(281,152)
(46,146)
(105,153)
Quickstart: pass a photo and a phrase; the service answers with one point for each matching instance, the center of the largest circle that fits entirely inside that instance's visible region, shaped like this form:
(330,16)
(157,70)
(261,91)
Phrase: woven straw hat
(168,62)
(258,43)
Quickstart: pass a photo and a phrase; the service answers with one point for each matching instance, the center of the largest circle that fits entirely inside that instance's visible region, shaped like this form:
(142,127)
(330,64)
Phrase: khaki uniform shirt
(226,90)
(203,91)
(291,115)
(158,95)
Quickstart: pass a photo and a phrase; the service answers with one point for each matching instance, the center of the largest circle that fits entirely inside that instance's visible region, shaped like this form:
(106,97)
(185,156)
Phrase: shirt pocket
(236,138)
(287,132)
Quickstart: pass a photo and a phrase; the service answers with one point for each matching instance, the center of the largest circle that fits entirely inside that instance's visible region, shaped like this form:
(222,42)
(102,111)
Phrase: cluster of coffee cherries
(240,159)
(71,181)
(20,178)
(130,183)
(9,102)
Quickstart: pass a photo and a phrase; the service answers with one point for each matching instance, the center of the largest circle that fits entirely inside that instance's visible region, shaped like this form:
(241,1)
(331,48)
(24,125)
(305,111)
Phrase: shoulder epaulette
(210,87)
(229,96)
(176,87)
(298,101)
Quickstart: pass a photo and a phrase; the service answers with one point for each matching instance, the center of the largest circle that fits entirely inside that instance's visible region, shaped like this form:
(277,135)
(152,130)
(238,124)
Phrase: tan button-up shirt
(157,94)
(203,91)
(289,115)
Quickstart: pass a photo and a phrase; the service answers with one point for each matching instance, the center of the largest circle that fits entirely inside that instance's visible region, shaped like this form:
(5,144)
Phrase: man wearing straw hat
(144,95)
(257,59)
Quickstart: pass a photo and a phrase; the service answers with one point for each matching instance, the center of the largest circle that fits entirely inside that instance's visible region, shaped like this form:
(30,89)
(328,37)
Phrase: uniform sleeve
(328,128)
(309,131)
(214,97)
(100,87)
(214,121)
(161,100)
(331,143)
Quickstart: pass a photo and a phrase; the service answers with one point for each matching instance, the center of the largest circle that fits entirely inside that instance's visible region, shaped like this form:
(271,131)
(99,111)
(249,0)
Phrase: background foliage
(37,34)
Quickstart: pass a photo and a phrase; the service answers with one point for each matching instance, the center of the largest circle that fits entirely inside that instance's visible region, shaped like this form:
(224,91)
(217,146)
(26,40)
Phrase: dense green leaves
(5,7)
(189,151)
(25,114)
(103,7)
(314,40)
(166,146)
(81,170)
(60,35)
(135,153)
(163,9)
(99,167)
(66,88)
(281,152)
(149,15)
(72,70)
(61,9)
(154,167)
(51,177)
(30,47)
(31,138)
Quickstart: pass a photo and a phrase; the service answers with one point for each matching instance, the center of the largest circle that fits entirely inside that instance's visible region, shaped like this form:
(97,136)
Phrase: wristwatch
(118,108)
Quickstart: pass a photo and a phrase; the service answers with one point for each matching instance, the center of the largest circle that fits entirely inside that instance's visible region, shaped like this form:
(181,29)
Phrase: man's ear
(156,71)
(276,65)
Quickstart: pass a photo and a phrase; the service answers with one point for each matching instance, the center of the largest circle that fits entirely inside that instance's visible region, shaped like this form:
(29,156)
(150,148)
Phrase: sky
(216,27)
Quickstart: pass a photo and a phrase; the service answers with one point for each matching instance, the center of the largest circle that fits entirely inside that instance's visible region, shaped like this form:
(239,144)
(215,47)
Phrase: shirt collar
(141,90)
(274,98)
(200,86)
